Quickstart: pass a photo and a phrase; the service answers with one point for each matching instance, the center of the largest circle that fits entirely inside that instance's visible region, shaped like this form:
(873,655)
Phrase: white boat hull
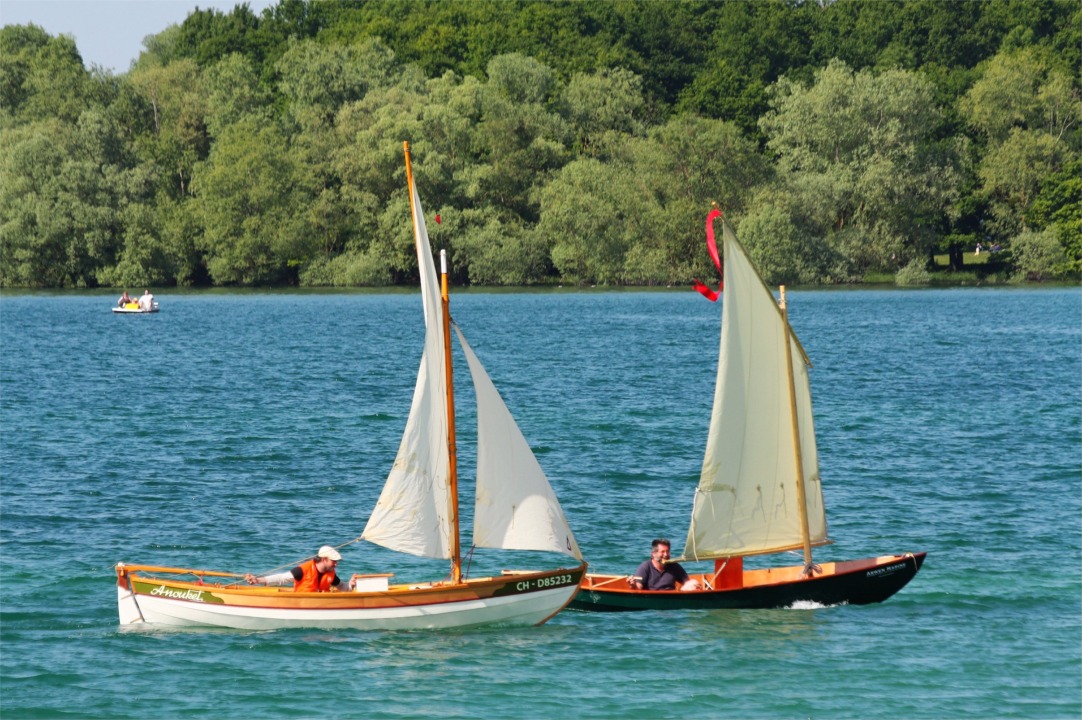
(528,610)
(186,605)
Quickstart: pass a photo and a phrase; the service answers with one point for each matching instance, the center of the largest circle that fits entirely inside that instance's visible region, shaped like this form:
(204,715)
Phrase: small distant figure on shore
(124,300)
(979,248)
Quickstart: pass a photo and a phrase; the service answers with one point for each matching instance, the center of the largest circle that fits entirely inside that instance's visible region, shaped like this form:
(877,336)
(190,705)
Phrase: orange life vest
(312,580)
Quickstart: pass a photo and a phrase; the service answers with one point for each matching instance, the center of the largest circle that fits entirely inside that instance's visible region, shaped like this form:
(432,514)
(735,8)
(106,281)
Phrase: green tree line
(559,141)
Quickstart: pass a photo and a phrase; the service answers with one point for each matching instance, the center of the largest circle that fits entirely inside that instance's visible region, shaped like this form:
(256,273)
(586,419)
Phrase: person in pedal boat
(315,575)
(656,574)
(124,300)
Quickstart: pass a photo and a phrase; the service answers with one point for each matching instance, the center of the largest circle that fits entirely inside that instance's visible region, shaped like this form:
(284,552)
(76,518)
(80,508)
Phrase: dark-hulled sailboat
(759,491)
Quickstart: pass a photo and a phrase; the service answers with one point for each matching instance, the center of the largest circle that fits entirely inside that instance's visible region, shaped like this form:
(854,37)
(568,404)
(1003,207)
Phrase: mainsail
(747,499)
(412,513)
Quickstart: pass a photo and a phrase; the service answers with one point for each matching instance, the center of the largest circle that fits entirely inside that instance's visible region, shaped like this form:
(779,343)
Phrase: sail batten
(746,502)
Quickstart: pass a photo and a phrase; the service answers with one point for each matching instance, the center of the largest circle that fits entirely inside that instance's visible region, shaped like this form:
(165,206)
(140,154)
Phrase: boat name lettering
(196,595)
(884,570)
(544,582)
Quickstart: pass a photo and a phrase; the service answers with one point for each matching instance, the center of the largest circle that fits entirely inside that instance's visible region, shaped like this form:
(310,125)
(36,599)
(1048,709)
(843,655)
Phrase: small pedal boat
(134,309)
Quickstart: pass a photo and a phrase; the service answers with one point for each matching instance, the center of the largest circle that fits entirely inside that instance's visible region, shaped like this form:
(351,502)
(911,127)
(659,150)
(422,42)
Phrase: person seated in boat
(124,300)
(315,575)
(146,302)
(657,574)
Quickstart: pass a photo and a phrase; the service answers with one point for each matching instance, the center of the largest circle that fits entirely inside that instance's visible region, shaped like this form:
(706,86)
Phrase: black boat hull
(856,582)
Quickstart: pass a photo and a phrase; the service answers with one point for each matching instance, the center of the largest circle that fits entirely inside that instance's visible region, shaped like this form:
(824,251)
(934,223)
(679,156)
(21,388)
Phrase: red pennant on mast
(712,248)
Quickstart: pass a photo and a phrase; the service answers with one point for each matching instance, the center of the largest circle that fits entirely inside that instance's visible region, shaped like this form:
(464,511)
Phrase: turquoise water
(242,432)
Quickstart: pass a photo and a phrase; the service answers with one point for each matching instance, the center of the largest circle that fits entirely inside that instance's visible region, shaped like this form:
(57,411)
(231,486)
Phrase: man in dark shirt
(657,574)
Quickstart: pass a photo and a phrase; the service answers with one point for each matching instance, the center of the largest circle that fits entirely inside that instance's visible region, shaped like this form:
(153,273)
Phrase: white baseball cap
(330,553)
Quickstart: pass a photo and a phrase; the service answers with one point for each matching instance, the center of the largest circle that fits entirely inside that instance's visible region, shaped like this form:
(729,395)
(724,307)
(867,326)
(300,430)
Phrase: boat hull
(135,310)
(852,582)
(514,599)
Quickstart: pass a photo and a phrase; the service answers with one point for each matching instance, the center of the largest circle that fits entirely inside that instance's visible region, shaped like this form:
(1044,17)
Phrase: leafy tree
(495,251)
(207,36)
(159,49)
(684,165)
(1006,95)
(638,219)
(592,216)
(251,234)
(263,149)
(1028,110)
(148,257)
(368,162)
(19,47)
(33,237)
(448,130)
(1038,255)
(1012,173)
(177,138)
(62,201)
(231,92)
(1056,208)
(296,19)
(41,76)
(783,251)
(663,43)
(317,79)
(601,103)
(521,140)
(860,149)
(751,46)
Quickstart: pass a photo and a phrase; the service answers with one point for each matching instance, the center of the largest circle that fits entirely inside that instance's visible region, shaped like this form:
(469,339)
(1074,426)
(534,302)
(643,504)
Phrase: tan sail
(747,499)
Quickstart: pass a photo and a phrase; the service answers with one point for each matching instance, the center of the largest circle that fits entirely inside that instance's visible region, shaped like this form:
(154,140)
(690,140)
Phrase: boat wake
(812,605)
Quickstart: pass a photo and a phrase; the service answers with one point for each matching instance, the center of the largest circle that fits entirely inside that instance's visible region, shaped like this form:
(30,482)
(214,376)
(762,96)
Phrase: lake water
(239,432)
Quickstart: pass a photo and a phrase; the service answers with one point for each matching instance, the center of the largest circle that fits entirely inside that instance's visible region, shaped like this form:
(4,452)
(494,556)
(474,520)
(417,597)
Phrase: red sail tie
(712,247)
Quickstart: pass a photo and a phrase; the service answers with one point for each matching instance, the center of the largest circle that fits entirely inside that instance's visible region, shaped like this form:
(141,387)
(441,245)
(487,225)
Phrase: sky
(110,33)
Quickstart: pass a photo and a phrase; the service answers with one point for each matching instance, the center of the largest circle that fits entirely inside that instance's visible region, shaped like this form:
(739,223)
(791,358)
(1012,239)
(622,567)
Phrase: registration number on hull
(543,583)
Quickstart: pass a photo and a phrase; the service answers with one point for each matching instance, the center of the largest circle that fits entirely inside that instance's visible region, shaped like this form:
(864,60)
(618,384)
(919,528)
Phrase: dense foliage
(560,141)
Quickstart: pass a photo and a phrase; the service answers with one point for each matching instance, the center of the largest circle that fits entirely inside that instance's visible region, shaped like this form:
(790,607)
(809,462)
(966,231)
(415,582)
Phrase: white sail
(746,502)
(412,514)
(515,505)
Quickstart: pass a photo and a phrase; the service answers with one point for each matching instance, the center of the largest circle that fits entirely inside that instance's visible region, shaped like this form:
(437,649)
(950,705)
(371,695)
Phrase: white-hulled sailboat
(417,513)
(759,490)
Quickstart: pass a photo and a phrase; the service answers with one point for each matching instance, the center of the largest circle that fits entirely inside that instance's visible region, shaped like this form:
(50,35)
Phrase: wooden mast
(456,551)
(801,497)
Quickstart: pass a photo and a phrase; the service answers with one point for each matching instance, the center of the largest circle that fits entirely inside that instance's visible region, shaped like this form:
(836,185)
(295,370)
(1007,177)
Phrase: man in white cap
(315,575)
